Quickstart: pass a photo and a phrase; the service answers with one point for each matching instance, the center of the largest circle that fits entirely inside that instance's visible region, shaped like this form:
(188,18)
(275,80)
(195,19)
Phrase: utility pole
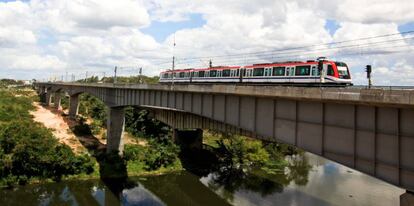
(173,65)
(86,76)
(368,69)
(115,74)
(140,75)
(210,64)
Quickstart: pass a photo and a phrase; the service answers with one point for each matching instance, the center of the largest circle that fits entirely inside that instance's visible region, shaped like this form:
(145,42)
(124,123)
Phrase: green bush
(134,152)
(28,149)
(36,153)
(160,153)
(81,130)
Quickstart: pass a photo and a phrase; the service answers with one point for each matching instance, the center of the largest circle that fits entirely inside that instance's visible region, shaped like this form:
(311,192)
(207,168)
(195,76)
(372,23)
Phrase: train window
(330,71)
(302,71)
(226,73)
(201,74)
(278,71)
(258,72)
(248,72)
(213,73)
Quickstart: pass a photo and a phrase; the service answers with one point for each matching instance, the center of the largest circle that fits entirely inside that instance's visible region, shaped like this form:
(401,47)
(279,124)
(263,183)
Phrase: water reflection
(326,183)
(228,181)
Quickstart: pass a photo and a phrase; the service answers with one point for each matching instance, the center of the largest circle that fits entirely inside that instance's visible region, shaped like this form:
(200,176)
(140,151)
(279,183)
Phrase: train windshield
(342,70)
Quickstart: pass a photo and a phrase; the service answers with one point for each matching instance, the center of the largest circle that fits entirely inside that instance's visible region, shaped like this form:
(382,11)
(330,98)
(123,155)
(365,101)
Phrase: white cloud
(78,15)
(91,35)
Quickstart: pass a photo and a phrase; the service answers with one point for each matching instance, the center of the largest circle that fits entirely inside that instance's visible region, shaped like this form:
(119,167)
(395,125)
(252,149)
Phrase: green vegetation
(159,154)
(28,150)
(247,154)
(7,82)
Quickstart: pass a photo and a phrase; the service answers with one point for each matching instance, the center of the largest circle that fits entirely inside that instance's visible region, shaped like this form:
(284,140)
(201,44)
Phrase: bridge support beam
(407,199)
(57,100)
(115,126)
(189,139)
(73,106)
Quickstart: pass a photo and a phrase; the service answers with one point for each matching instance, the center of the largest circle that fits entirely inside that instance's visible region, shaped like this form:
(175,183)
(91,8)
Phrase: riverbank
(62,128)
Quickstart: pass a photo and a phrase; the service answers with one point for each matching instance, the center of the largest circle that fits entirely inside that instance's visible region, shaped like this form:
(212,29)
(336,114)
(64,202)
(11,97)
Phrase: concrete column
(115,126)
(407,199)
(42,94)
(189,139)
(57,100)
(48,100)
(73,106)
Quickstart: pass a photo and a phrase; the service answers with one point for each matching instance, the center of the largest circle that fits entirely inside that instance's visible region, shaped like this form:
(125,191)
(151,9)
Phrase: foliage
(29,150)
(32,151)
(6,82)
(12,107)
(134,152)
(139,123)
(93,107)
(161,152)
(242,152)
(133,80)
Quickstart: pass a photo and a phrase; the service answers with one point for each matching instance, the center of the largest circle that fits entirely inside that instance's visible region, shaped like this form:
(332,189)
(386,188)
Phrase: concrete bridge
(371,131)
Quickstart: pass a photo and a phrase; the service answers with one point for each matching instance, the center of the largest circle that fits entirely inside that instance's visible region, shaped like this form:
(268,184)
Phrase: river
(316,181)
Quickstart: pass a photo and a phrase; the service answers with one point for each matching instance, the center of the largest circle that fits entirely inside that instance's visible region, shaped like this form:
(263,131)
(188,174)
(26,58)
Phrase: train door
(314,73)
(290,73)
(242,72)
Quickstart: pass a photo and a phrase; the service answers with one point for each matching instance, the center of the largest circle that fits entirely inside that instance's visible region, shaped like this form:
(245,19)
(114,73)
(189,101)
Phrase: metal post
(115,74)
(140,76)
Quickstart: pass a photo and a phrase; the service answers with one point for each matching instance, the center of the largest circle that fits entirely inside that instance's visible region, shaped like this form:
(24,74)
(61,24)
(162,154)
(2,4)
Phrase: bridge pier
(57,100)
(48,100)
(189,139)
(407,199)
(73,106)
(42,94)
(115,126)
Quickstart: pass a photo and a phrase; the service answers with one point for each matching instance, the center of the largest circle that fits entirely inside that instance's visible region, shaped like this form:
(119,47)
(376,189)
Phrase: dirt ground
(60,124)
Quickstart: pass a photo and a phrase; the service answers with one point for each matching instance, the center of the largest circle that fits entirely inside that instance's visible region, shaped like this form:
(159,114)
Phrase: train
(312,72)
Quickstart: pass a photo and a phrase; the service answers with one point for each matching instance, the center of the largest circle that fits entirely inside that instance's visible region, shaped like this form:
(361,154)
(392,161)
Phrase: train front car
(336,73)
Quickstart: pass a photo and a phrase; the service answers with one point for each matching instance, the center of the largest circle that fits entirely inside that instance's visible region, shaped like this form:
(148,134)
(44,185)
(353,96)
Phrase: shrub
(36,153)
(82,130)
(134,152)
(160,153)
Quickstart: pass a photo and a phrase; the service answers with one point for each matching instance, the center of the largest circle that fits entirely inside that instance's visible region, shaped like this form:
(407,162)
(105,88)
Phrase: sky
(55,39)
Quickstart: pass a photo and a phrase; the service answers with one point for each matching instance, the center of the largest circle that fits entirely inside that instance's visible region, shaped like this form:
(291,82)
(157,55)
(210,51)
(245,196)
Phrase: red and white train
(317,72)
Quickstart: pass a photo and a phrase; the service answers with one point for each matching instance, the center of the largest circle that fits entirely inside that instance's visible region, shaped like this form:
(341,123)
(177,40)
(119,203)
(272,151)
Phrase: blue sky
(161,30)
